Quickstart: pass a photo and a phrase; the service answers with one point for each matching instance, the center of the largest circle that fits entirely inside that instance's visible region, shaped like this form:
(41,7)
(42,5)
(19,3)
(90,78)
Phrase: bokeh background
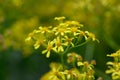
(19,60)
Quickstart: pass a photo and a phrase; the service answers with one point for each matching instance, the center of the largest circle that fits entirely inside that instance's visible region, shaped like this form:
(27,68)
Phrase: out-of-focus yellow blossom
(74,23)
(59,18)
(82,71)
(71,57)
(55,73)
(38,43)
(93,62)
(114,66)
(30,35)
(113,55)
(43,29)
(85,69)
(72,74)
(117,54)
(80,64)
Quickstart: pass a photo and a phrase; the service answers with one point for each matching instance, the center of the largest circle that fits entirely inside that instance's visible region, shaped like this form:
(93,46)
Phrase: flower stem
(62,56)
(62,61)
(82,43)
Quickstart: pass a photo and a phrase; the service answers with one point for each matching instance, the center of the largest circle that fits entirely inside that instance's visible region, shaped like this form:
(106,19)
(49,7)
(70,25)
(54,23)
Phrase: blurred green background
(19,60)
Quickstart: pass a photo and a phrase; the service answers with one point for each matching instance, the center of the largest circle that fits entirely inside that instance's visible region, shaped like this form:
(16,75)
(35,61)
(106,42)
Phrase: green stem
(62,56)
(67,49)
(63,65)
(82,43)
(78,40)
(62,61)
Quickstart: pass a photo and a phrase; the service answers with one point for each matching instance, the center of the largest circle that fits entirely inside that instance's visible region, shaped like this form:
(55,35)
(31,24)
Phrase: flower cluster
(84,68)
(81,70)
(114,67)
(61,39)
(58,38)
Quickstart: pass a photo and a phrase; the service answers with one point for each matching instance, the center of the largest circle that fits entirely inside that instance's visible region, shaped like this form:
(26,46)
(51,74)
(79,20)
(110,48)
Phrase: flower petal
(44,51)
(48,54)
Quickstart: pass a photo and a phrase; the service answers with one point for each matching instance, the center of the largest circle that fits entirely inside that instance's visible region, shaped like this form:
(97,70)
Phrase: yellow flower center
(82,33)
(86,64)
(49,47)
(74,29)
(68,40)
(31,34)
(44,29)
(58,44)
(56,73)
(40,41)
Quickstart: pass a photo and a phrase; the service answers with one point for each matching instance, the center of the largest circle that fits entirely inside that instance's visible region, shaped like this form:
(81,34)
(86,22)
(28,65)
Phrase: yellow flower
(44,29)
(60,30)
(30,35)
(48,49)
(58,45)
(74,30)
(113,55)
(38,43)
(71,74)
(92,36)
(93,62)
(114,67)
(68,41)
(72,57)
(80,64)
(56,73)
(82,33)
